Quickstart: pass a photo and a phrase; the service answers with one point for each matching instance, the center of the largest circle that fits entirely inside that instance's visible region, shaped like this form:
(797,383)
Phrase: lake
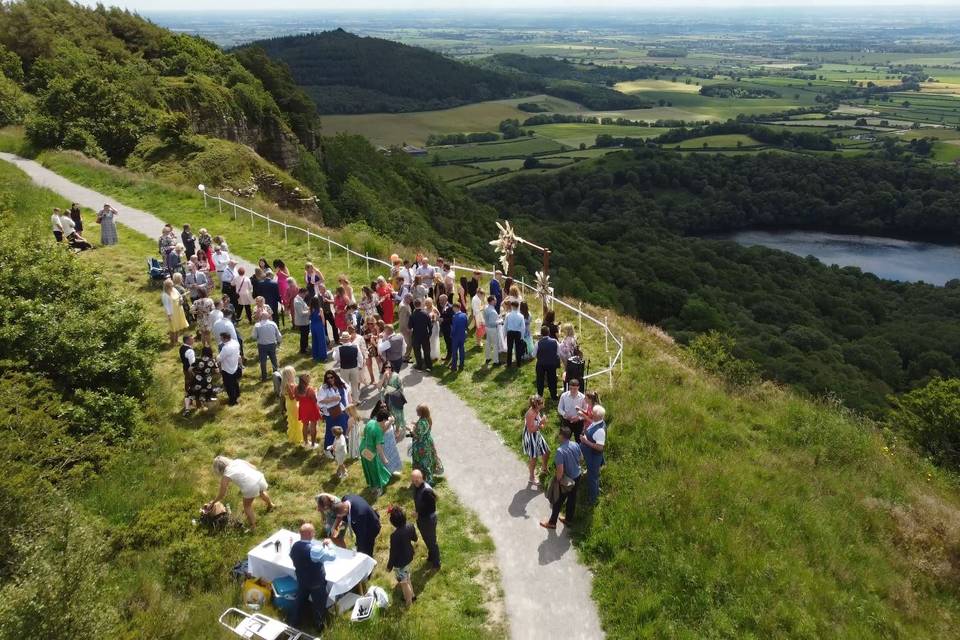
(888,258)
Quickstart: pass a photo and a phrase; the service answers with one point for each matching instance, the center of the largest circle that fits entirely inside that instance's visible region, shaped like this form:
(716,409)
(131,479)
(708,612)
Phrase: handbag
(368,455)
(335,411)
(482,330)
(396,399)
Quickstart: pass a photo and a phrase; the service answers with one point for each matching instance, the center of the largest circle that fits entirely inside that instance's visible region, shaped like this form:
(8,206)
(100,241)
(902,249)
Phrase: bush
(194,564)
(930,417)
(713,352)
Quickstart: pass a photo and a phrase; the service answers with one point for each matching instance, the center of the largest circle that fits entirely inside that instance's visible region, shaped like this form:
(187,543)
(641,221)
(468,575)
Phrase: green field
(723,141)
(519,147)
(413,128)
(574,134)
(946,151)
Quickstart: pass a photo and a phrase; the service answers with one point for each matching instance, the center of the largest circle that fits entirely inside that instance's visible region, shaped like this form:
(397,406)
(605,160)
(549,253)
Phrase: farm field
(946,151)
(519,147)
(639,86)
(413,128)
(722,141)
(575,133)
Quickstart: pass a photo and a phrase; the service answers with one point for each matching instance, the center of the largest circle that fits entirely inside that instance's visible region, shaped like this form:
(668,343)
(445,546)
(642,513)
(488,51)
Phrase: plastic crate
(284,594)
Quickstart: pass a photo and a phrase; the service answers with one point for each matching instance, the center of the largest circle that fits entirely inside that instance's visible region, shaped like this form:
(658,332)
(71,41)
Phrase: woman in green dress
(423,451)
(372,457)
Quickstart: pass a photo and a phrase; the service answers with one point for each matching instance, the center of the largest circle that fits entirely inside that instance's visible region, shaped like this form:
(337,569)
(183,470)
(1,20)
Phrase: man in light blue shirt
(567,464)
(267,336)
(491,321)
(514,326)
(308,556)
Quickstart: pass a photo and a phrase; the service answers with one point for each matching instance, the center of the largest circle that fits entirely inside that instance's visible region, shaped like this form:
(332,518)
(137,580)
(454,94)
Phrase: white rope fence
(613,361)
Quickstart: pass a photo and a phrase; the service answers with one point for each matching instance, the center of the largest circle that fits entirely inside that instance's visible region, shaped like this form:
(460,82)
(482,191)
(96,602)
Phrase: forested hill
(346,73)
(620,233)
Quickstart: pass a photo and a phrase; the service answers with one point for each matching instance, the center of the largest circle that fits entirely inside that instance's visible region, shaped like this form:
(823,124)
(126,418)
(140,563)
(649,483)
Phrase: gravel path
(546,590)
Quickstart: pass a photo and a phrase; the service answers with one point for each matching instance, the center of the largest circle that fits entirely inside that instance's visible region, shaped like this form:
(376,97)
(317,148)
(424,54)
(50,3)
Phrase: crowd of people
(420,314)
(67,226)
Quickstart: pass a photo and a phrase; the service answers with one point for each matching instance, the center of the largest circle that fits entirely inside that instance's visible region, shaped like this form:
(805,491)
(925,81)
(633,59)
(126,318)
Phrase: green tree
(930,417)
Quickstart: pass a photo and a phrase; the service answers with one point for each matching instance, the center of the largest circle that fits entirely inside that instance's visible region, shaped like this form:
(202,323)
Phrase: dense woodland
(622,234)
(345,73)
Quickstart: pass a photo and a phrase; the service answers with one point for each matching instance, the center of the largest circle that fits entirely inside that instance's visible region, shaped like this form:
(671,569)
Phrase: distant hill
(346,73)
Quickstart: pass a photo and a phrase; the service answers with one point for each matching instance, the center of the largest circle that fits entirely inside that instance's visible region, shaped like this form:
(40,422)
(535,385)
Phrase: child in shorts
(401,551)
(339,451)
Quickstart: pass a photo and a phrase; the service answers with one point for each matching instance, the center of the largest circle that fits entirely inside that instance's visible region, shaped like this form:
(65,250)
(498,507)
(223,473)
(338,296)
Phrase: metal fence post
(580,319)
(610,370)
(220,205)
(308,239)
(204,192)
(367,258)
(606,335)
(268,223)
(329,250)
(284,234)
(251,217)
(621,354)
(348,256)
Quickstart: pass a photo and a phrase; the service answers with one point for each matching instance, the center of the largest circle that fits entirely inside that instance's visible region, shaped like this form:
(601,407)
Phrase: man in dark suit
(420,328)
(268,288)
(446,322)
(308,557)
(547,351)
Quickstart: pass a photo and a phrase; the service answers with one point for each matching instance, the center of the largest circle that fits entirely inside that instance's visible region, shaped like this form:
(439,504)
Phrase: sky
(154,6)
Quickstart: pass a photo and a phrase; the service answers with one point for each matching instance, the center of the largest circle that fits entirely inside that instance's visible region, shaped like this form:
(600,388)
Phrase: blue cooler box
(284,594)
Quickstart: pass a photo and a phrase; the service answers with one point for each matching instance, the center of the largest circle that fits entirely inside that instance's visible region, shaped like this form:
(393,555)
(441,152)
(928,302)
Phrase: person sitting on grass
(401,551)
(251,482)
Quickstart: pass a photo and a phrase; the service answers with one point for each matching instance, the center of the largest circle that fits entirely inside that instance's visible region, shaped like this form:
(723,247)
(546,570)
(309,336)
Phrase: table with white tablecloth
(268,561)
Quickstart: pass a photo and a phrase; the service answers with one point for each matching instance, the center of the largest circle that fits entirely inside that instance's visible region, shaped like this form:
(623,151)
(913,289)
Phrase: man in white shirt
(67,224)
(56,225)
(392,346)
(229,360)
(592,444)
(348,357)
(570,401)
(220,260)
(226,281)
(425,271)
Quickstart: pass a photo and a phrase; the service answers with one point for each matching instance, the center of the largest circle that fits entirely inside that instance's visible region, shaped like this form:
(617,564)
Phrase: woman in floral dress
(108,225)
(423,451)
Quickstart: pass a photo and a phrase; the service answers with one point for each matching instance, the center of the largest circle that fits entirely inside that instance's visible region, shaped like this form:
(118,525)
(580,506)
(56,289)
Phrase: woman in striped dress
(533,443)
(108,226)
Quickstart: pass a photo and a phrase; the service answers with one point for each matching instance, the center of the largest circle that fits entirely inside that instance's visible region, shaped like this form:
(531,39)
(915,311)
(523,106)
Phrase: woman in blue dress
(318,331)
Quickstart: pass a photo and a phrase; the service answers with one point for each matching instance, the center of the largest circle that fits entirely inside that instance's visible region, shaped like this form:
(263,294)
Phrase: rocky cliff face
(216,111)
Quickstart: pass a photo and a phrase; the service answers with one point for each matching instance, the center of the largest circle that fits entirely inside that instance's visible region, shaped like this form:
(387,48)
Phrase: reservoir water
(887,258)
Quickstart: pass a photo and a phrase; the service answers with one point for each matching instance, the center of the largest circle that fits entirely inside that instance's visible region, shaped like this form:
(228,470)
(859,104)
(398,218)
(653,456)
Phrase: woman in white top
(248,479)
(477,303)
(429,307)
(244,288)
(173,306)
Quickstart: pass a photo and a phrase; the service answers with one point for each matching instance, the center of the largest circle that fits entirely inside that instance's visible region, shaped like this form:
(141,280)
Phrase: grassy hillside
(731,511)
(150,572)
(346,73)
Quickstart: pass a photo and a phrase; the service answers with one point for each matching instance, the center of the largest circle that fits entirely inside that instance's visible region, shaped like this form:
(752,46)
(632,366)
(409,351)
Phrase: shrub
(930,417)
(194,564)
(713,352)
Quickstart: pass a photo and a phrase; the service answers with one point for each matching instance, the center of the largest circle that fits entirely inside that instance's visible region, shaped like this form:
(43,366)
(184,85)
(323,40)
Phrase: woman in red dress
(307,410)
(385,293)
(340,302)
